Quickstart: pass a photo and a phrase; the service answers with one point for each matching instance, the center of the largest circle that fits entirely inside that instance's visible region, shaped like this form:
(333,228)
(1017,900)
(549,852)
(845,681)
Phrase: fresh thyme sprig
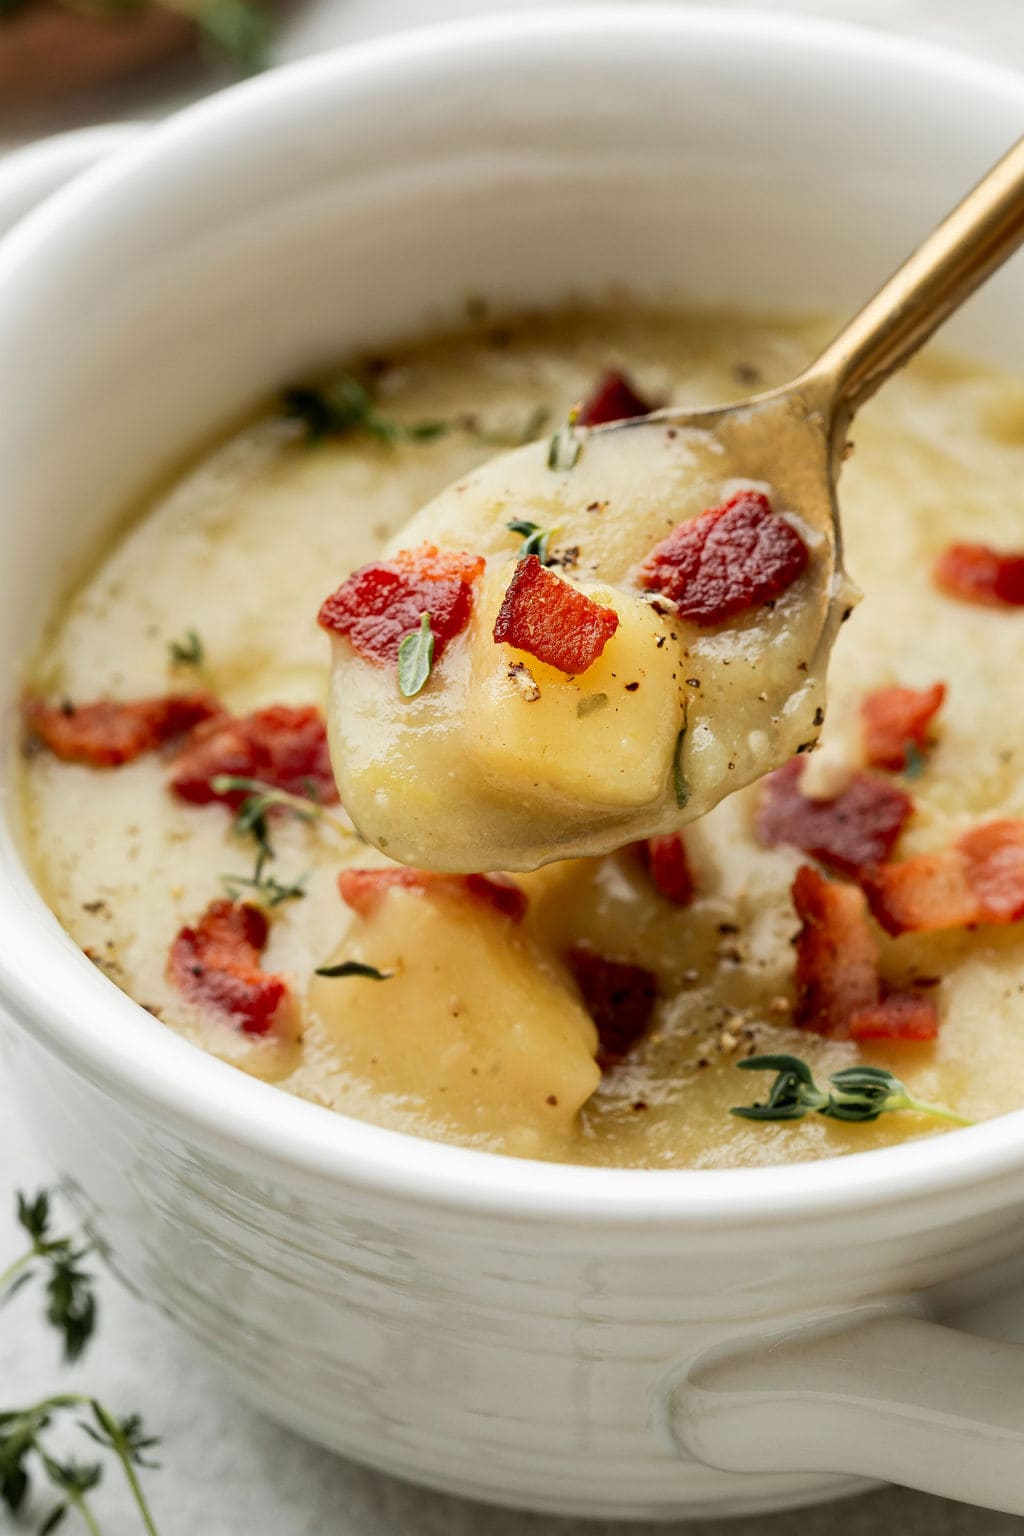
(264,886)
(345,405)
(354,968)
(188,652)
(71,1302)
(22,1432)
(856,1094)
(262,797)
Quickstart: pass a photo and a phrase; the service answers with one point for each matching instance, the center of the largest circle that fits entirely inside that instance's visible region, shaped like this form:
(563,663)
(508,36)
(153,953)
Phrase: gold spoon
(502,764)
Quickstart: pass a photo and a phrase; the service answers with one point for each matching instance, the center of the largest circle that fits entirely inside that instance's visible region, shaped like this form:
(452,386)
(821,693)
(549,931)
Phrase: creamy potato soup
(858,908)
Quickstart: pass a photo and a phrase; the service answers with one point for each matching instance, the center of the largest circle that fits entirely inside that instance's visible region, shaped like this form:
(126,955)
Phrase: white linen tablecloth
(225,1470)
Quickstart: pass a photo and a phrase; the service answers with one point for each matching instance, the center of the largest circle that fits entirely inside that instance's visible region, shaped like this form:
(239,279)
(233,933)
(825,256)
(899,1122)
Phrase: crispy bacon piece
(380,604)
(364,889)
(896,720)
(857,828)
(105,734)
(619,997)
(726,560)
(978,574)
(836,955)
(216,966)
(284,745)
(614,399)
(899,1016)
(980,879)
(669,868)
(546,617)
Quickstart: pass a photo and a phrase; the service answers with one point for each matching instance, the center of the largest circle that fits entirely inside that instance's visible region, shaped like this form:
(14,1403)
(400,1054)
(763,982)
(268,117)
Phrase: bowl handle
(882,1395)
(29,175)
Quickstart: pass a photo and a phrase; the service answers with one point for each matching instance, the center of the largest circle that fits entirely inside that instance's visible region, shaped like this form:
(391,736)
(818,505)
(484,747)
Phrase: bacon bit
(978,574)
(979,880)
(896,720)
(726,560)
(543,615)
(380,604)
(669,868)
(858,828)
(216,965)
(900,1016)
(619,997)
(105,734)
(284,746)
(836,955)
(364,889)
(614,399)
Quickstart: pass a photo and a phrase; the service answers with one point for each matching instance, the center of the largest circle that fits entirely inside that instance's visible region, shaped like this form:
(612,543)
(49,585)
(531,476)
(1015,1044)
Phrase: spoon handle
(975,239)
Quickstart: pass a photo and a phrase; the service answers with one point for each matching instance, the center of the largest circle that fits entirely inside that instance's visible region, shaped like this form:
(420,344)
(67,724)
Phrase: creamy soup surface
(477,1032)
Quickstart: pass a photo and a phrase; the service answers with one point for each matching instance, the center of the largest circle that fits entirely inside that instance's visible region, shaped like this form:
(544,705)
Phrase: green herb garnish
(71,1310)
(416,658)
(856,1094)
(682,789)
(188,652)
(238,30)
(565,446)
(535,539)
(262,797)
(71,1303)
(23,1450)
(590,704)
(265,887)
(354,968)
(914,761)
(345,405)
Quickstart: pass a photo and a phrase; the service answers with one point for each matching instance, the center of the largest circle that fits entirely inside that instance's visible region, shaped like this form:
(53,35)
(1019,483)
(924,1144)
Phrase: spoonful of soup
(596,638)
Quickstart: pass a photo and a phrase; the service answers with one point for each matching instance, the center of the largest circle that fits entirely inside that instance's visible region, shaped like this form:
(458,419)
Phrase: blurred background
(64,63)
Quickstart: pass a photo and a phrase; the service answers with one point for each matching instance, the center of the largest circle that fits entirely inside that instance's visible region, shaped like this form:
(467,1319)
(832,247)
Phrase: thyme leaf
(70,1299)
(24,1451)
(345,405)
(354,968)
(679,784)
(535,539)
(565,445)
(914,764)
(237,30)
(857,1094)
(416,658)
(265,887)
(188,652)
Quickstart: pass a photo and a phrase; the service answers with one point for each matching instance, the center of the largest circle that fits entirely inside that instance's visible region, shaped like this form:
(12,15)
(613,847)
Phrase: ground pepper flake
(106,733)
(546,617)
(216,966)
(726,560)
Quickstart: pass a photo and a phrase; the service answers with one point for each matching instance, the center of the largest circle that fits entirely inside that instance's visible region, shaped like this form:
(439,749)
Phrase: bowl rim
(77,1014)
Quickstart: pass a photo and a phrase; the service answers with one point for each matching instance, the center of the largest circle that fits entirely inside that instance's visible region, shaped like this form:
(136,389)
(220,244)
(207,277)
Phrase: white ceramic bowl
(613,1343)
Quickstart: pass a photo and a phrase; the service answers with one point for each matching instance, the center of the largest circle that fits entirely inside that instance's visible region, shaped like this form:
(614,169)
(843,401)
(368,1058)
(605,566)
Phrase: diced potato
(604,738)
(474,1023)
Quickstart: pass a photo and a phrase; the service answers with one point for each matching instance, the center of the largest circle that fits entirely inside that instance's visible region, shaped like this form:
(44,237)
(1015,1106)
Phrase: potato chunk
(473,1023)
(604,738)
